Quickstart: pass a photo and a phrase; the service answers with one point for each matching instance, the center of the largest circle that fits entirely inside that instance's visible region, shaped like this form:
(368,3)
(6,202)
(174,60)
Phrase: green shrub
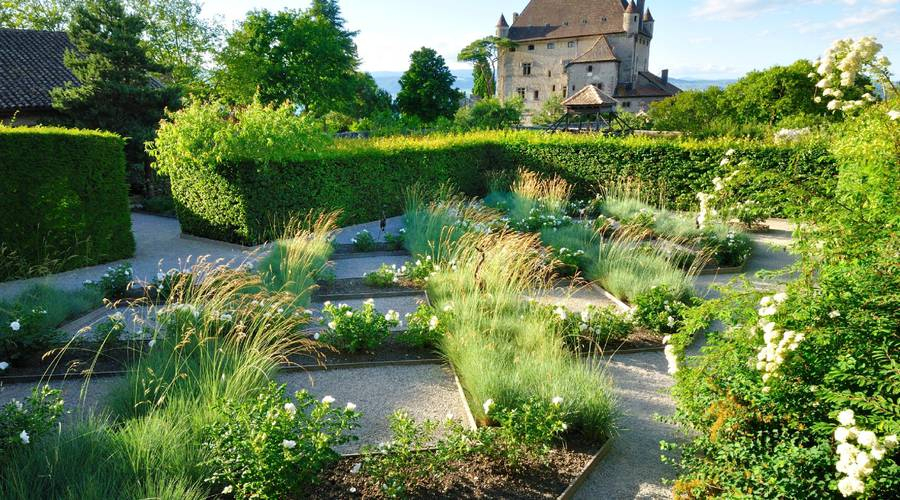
(424,328)
(63,200)
(383,277)
(593,328)
(272,447)
(363,241)
(351,330)
(395,241)
(114,283)
(661,310)
(22,424)
(227,193)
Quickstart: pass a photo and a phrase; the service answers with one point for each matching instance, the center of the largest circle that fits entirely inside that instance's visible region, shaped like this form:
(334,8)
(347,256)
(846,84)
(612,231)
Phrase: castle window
(526,69)
(584,21)
(626,104)
(590,69)
(531,47)
(512,49)
(537,95)
(600,85)
(549,74)
(603,19)
(565,91)
(521,92)
(554,88)
(551,46)
(572,45)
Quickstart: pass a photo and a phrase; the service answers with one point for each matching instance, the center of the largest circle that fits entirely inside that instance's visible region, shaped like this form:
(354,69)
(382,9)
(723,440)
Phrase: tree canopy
(307,57)
(52,15)
(426,88)
(116,92)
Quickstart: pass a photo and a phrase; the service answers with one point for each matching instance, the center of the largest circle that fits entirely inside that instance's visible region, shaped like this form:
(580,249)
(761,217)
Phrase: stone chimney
(515,17)
(664,74)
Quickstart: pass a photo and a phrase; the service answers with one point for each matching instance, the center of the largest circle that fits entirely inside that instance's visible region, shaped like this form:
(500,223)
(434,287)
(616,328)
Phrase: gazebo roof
(589,97)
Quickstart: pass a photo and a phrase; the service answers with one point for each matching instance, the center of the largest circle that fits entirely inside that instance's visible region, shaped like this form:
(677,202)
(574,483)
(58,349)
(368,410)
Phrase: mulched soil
(639,339)
(357,286)
(477,477)
(344,249)
(390,351)
(73,361)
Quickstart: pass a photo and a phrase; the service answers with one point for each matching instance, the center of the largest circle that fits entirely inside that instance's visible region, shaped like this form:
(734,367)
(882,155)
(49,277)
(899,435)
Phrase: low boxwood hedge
(63,200)
(239,200)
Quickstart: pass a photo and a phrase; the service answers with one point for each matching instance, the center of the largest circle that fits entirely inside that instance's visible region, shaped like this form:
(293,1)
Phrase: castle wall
(603,74)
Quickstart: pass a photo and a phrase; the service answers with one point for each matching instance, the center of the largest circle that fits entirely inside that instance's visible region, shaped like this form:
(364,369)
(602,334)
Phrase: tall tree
(178,37)
(307,57)
(115,92)
(50,15)
(483,77)
(426,89)
(484,54)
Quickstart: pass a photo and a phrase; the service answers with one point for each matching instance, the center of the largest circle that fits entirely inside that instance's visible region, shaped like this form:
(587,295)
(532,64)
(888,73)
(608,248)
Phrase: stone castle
(563,46)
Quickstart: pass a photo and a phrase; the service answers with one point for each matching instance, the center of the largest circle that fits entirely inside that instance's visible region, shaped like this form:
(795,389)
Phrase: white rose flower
(867,438)
(290,408)
(328,400)
(3,365)
(350,407)
(25,437)
(846,417)
(557,400)
(850,486)
(15,326)
(841,434)
(834,314)
(487,406)
(289,444)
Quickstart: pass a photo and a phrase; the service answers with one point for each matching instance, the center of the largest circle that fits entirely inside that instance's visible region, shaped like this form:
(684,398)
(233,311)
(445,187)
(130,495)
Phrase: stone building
(562,46)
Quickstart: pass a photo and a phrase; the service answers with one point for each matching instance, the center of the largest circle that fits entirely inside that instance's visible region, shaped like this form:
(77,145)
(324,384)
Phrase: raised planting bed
(73,362)
(346,251)
(391,351)
(356,288)
(476,477)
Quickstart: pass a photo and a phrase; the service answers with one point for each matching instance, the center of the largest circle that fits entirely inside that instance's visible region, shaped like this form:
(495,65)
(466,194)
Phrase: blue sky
(694,39)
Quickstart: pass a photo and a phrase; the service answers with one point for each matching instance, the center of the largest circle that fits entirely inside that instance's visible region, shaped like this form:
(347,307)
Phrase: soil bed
(477,477)
(390,351)
(342,249)
(358,286)
(73,362)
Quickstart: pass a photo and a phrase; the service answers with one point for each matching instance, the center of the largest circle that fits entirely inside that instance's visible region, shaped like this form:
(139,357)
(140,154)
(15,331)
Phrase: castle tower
(631,20)
(502,27)
(648,23)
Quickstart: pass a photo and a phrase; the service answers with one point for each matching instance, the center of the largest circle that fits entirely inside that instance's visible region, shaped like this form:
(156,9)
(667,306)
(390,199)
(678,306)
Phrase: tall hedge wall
(238,201)
(63,200)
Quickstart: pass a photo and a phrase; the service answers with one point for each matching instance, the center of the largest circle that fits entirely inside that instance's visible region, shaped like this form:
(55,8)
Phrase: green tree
(551,110)
(426,89)
(115,92)
(177,37)
(484,53)
(483,76)
(306,57)
(490,114)
(773,94)
(50,15)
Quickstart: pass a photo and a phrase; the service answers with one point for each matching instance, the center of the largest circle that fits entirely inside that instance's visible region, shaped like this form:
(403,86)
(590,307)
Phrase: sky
(697,39)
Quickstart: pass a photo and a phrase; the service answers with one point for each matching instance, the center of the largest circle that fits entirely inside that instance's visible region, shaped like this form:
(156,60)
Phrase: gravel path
(345,235)
(357,267)
(159,247)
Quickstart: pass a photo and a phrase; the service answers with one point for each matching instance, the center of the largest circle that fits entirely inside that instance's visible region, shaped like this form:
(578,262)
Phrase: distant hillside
(390,81)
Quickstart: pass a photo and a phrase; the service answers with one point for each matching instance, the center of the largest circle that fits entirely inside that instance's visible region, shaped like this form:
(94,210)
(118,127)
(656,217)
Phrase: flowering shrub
(386,276)
(858,462)
(114,282)
(166,282)
(424,328)
(23,330)
(843,64)
(538,218)
(566,261)
(421,270)
(23,423)
(273,447)
(526,431)
(729,250)
(396,241)
(661,310)
(591,328)
(363,241)
(645,218)
(352,331)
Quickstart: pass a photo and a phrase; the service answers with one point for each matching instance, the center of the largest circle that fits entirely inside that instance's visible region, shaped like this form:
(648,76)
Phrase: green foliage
(356,330)
(770,427)
(551,110)
(50,15)
(114,283)
(307,57)
(63,203)
(728,247)
(364,241)
(483,76)
(426,88)
(383,277)
(395,241)
(661,309)
(592,328)
(425,327)
(483,54)
(272,447)
(490,114)
(23,424)
(113,68)
(527,430)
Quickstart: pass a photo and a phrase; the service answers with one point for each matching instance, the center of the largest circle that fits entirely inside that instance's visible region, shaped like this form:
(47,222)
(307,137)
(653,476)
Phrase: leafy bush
(363,241)
(661,310)
(24,331)
(566,261)
(395,241)
(21,424)
(352,331)
(383,277)
(490,114)
(273,447)
(592,328)
(420,271)
(63,201)
(424,328)
(114,283)
(527,430)
(731,249)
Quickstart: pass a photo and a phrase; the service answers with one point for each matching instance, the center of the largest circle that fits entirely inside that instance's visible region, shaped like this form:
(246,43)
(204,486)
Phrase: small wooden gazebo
(590,102)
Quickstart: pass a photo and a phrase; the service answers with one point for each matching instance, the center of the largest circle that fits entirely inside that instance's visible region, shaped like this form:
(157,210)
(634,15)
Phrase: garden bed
(478,477)
(349,288)
(349,251)
(388,352)
(73,362)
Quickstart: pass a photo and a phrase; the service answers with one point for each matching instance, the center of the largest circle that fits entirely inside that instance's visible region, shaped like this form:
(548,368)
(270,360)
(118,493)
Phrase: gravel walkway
(345,235)
(159,247)
(357,267)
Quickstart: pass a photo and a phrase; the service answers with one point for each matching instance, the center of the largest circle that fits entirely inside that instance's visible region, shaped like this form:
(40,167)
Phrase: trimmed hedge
(63,200)
(239,200)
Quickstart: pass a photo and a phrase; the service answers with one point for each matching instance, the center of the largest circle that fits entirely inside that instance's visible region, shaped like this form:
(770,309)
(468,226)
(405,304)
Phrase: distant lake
(390,81)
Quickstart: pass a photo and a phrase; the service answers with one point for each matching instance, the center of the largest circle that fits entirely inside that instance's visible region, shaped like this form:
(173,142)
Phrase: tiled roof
(31,64)
(502,22)
(648,17)
(600,52)
(544,19)
(647,85)
(590,95)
